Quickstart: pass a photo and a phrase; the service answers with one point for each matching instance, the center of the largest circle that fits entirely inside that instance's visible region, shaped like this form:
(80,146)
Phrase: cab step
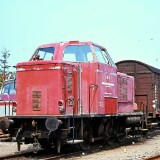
(153,125)
(75,141)
(144,130)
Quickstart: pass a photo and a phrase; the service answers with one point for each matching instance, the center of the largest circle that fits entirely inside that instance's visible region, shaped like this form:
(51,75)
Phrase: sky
(128,29)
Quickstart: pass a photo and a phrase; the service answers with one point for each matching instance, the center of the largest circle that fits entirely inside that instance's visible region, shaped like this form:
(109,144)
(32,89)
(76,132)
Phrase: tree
(4,62)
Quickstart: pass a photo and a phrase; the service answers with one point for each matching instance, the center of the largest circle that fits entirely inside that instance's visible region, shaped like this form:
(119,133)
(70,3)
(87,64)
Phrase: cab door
(107,79)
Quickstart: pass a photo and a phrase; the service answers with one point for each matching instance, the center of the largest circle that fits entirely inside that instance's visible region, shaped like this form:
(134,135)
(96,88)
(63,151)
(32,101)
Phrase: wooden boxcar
(147,85)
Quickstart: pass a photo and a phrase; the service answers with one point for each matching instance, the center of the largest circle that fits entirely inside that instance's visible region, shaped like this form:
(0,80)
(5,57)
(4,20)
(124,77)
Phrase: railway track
(52,155)
(40,155)
(67,153)
(73,153)
(17,154)
(156,157)
(23,156)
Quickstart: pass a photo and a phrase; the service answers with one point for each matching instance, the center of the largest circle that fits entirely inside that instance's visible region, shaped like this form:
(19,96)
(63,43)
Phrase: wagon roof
(151,68)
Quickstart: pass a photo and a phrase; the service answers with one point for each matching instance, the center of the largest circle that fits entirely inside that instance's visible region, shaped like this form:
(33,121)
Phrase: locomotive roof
(151,68)
(74,42)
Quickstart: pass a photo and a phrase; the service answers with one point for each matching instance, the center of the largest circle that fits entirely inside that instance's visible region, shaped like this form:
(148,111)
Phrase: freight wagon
(147,88)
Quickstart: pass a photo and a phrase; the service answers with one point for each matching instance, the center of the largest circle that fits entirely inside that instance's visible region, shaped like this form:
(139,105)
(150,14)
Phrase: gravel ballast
(135,151)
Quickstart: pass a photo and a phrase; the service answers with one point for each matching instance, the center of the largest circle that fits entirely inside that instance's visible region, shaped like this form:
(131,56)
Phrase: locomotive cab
(71,93)
(73,72)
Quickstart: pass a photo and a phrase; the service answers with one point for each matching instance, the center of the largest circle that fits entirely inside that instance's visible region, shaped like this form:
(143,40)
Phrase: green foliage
(1,80)
(4,64)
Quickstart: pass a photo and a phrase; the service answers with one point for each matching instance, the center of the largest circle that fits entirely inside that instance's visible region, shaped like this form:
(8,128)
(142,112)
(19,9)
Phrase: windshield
(8,88)
(44,53)
(78,53)
(103,56)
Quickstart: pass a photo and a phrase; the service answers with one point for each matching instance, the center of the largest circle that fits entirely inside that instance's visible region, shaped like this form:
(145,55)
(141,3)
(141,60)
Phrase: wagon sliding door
(142,102)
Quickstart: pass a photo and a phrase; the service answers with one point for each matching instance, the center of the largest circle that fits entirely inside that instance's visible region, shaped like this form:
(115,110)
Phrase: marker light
(73,42)
(14,104)
(60,102)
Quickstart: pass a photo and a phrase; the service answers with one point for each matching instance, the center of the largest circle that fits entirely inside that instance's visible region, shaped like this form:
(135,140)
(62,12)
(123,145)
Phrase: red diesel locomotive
(71,93)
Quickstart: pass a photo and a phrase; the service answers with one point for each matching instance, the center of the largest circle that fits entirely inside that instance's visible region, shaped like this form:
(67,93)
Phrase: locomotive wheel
(110,138)
(85,146)
(45,144)
(120,137)
(109,134)
(120,134)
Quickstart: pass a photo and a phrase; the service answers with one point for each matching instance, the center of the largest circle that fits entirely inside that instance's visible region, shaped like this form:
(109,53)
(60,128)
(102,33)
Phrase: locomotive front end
(46,90)
(44,97)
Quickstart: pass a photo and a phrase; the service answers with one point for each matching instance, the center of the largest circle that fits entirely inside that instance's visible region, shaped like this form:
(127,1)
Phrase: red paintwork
(110,105)
(45,82)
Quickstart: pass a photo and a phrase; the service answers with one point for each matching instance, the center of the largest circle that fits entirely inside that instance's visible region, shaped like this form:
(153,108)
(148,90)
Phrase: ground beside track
(10,147)
(136,150)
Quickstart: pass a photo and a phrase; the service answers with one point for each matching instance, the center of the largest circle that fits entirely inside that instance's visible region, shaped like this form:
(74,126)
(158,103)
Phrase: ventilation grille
(122,89)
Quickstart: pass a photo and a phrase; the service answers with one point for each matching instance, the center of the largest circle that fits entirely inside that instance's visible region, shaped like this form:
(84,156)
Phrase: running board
(144,130)
(75,141)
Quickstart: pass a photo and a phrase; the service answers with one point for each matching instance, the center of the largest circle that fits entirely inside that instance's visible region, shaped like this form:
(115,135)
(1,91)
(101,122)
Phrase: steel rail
(65,155)
(14,155)
(17,154)
(155,157)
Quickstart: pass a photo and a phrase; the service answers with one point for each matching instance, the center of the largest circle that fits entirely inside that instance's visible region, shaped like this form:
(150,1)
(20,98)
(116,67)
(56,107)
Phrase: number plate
(36,100)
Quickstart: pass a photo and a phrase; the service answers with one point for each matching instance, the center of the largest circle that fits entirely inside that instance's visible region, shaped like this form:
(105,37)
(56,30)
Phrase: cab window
(103,56)
(5,89)
(8,88)
(78,53)
(44,53)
